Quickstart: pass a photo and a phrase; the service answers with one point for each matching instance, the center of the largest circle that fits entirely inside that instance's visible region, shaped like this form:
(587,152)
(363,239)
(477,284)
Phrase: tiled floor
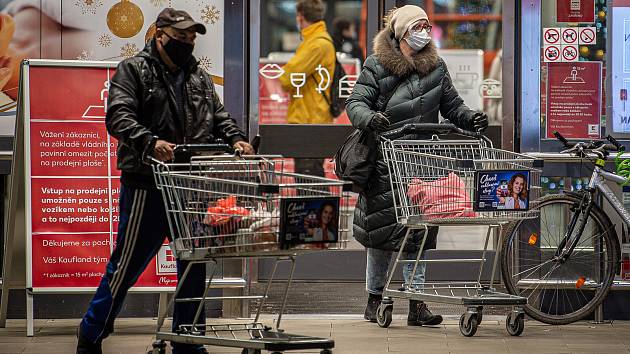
(352,335)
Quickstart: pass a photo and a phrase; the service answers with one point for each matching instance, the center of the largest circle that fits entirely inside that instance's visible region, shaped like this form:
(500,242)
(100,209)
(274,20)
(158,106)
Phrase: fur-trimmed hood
(387,51)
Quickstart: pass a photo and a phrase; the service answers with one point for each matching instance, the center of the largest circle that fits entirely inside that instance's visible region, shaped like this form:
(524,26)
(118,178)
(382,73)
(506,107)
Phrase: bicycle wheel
(559,292)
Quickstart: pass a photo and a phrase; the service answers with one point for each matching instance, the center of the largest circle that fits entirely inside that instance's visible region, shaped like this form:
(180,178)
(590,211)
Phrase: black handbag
(356,157)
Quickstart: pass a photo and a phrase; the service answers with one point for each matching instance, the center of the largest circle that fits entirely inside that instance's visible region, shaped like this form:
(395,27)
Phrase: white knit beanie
(405,17)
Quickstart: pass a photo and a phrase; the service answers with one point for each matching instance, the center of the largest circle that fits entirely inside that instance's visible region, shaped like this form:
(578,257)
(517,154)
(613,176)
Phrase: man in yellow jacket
(316,49)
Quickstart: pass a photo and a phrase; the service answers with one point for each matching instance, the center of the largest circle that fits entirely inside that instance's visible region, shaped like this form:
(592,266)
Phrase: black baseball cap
(178,19)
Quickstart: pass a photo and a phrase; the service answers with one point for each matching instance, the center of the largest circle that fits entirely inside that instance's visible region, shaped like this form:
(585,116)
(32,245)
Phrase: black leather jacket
(142,109)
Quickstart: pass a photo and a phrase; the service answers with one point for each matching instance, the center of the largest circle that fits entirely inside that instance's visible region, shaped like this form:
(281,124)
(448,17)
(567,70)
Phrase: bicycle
(564,262)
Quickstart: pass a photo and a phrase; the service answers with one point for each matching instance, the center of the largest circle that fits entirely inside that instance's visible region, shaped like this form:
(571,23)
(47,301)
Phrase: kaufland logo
(166,261)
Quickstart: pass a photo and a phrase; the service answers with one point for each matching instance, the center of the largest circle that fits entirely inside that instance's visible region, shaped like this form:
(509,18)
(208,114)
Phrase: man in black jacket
(157,99)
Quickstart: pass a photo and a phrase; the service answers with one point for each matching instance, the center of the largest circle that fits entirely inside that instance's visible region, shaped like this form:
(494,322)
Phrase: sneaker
(372,306)
(419,315)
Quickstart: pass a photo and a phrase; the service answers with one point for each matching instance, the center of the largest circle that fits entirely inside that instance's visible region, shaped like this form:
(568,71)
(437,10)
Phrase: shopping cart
(228,206)
(440,182)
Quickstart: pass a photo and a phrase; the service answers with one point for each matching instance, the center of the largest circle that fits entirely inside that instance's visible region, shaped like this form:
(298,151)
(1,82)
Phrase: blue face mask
(418,39)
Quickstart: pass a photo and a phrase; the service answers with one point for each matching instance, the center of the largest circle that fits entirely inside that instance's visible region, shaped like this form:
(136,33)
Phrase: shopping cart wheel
(515,324)
(159,347)
(468,324)
(384,314)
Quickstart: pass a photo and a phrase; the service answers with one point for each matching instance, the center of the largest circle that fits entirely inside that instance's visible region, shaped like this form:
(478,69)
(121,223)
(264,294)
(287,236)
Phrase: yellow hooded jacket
(316,48)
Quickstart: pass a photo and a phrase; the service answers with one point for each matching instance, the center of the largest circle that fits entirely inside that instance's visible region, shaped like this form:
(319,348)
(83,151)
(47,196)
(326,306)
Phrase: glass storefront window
(470,32)
(345,22)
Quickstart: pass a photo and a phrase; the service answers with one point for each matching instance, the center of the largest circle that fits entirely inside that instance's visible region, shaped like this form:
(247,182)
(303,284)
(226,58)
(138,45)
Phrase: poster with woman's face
(309,220)
(98,30)
(502,190)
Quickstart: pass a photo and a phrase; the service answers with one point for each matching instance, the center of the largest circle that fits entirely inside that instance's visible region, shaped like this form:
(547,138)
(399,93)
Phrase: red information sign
(576,11)
(73,183)
(574,99)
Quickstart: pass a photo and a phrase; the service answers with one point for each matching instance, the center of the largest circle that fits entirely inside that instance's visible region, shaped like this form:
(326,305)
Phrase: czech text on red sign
(70,205)
(574,99)
(67,149)
(63,260)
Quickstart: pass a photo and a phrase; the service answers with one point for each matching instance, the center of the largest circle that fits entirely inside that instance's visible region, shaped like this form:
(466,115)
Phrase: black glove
(480,121)
(379,123)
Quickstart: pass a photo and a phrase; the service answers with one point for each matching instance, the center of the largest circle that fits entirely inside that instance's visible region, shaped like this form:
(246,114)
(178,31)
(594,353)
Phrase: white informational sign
(569,35)
(620,58)
(466,69)
(551,53)
(551,36)
(560,53)
(570,53)
(587,36)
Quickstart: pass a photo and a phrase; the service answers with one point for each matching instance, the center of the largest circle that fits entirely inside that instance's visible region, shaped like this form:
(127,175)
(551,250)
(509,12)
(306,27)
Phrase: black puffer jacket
(425,89)
(142,108)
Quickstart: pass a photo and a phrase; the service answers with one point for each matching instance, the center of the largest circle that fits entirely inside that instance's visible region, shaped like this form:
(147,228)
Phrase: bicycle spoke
(547,228)
(534,267)
(569,300)
(586,300)
(555,291)
(541,278)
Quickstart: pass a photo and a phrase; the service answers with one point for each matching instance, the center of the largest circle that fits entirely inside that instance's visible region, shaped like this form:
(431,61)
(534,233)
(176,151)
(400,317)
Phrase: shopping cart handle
(434,128)
(197,148)
(183,153)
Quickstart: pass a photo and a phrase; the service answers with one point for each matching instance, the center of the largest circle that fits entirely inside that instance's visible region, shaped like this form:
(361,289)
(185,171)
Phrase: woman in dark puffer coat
(405,60)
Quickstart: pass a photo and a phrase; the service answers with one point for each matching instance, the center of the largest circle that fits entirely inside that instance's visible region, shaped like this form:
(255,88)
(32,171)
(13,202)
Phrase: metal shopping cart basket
(456,182)
(227,206)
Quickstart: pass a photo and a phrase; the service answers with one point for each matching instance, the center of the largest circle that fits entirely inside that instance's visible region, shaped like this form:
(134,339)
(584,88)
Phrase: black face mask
(179,52)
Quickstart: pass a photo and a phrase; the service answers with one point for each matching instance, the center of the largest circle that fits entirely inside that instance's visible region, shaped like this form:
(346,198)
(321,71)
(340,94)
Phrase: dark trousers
(313,167)
(141,231)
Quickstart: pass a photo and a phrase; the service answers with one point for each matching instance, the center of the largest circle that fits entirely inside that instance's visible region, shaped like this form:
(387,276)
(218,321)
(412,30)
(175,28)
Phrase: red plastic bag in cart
(443,198)
(225,211)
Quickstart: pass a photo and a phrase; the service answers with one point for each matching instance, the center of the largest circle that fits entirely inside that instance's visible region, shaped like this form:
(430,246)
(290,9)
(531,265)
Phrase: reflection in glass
(298,80)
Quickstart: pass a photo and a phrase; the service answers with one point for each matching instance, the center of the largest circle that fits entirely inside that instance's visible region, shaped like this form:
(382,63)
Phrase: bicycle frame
(597,182)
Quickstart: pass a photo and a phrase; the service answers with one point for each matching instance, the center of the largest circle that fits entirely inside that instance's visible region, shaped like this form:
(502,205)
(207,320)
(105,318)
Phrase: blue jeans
(141,231)
(378,262)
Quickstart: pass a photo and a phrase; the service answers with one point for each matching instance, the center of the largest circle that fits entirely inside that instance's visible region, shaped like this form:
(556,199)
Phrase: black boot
(419,315)
(84,346)
(373,302)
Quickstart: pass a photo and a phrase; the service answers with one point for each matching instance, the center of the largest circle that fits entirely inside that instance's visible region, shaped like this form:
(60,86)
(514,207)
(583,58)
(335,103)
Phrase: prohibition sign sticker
(569,36)
(552,53)
(551,36)
(569,53)
(587,36)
